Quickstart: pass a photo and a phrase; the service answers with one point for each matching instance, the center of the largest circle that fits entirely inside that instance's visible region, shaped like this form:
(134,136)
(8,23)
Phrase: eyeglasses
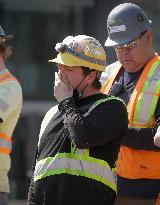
(64,67)
(129,45)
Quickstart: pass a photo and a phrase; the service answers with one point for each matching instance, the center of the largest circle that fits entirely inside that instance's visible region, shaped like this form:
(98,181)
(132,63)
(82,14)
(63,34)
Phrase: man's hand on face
(157,137)
(62,90)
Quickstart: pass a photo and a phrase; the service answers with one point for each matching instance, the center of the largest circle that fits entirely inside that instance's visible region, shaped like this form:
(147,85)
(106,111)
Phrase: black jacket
(101,132)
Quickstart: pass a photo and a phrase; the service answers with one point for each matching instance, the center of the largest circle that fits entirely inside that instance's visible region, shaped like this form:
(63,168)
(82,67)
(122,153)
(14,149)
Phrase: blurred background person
(10,108)
(157,143)
(157,137)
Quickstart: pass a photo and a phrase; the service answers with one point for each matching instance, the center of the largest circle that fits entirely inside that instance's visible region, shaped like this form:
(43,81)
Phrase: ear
(91,77)
(149,36)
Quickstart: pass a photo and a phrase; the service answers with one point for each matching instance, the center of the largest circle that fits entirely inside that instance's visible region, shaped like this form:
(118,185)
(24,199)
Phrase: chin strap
(81,93)
(77,94)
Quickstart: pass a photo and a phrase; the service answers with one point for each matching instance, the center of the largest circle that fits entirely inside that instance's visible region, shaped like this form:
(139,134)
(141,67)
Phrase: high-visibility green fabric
(72,170)
(144,112)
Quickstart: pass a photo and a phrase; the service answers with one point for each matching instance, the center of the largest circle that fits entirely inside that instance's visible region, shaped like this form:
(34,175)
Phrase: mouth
(126,60)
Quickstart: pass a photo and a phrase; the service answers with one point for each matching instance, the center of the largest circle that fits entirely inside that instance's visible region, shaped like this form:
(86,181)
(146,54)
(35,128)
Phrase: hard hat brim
(123,39)
(110,43)
(72,61)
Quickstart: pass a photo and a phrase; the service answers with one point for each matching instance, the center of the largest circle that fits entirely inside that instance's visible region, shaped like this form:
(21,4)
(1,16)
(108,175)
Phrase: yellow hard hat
(81,50)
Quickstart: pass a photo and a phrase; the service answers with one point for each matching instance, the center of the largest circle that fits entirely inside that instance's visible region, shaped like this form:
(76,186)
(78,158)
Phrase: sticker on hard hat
(116,29)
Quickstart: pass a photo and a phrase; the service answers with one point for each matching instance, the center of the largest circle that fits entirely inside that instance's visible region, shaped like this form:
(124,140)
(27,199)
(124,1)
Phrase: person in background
(80,137)
(10,108)
(157,143)
(135,78)
(157,137)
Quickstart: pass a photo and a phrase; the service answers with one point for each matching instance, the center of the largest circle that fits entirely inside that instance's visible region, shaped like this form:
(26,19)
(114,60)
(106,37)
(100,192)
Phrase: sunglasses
(129,45)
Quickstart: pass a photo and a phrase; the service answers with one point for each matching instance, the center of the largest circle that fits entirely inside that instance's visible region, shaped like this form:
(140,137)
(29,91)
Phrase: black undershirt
(128,80)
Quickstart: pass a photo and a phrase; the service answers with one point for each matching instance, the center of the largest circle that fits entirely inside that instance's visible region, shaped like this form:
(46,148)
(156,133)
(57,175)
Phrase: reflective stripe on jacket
(5,144)
(5,141)
(78,163)
(134,163)
(6,76)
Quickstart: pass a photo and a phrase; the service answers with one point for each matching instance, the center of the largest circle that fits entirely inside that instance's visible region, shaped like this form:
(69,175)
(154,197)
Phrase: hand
(62,90)
(157,137)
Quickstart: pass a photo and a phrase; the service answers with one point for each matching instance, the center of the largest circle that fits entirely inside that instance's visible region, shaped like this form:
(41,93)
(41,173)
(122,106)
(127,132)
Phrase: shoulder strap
(98,102)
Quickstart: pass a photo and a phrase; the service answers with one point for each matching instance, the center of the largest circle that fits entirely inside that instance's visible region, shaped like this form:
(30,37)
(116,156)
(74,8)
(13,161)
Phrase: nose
(61,68)
(123,53)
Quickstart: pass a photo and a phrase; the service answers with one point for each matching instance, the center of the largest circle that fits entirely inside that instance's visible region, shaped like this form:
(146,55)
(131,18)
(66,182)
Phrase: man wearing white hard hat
(80,137)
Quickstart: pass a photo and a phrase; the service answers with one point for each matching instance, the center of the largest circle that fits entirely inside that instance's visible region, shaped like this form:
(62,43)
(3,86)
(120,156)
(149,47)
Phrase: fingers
(57,78)
(59,82)
(62,81)
(157,141)
(157,137)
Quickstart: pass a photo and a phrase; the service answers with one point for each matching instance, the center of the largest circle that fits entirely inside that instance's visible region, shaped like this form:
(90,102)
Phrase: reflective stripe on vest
(6,76)
(78,162)
(5,141)
(5,144)
(78,165)
(150,92)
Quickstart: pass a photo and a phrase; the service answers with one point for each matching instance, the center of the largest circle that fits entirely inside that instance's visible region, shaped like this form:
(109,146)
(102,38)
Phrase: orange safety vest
(132,163)
(5,141)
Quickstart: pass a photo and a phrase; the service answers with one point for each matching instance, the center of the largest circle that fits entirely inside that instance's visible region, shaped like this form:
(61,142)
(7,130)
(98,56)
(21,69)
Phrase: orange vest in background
(132,163)
(5,141)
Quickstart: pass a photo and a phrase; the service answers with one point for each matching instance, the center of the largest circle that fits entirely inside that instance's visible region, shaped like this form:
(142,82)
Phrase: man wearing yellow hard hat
(80,137)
